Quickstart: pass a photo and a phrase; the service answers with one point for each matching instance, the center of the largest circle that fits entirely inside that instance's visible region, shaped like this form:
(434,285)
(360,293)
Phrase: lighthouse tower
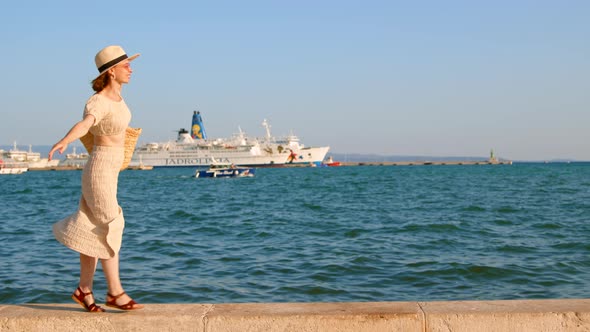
(493,159)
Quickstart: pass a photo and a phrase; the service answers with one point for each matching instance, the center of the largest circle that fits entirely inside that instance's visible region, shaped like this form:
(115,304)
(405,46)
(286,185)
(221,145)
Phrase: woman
(96,229)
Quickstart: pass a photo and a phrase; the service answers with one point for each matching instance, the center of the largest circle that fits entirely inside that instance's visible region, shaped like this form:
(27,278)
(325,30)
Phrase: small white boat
(12,167)
(225,171)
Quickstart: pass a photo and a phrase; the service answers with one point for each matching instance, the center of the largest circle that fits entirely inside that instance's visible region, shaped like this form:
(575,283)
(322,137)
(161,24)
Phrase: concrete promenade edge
(480,316)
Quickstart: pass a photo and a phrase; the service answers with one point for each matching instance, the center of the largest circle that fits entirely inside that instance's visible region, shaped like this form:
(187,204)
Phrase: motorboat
(225,171)
(331,163)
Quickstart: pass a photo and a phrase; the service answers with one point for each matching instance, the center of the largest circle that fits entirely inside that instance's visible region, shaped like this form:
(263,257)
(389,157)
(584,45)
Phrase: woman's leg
(110,268)
(87,270)
(111,272)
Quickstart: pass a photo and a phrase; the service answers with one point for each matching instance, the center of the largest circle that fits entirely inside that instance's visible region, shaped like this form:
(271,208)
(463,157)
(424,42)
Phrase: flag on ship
(197,128)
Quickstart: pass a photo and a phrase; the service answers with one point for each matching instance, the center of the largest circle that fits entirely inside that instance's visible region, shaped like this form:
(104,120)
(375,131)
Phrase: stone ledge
(514,315)
(481,316)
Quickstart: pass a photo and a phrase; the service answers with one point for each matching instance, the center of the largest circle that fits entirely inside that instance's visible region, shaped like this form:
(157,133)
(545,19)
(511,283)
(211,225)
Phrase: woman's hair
(101,82)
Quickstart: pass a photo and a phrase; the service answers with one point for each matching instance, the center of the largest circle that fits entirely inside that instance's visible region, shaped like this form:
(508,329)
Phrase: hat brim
(131,58)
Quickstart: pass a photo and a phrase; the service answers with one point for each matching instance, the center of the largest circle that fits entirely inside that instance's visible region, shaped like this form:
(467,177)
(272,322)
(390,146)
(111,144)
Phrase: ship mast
(267,128)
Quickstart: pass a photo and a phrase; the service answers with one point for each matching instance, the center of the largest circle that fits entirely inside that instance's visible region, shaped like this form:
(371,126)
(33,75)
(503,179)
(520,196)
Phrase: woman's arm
(78,130)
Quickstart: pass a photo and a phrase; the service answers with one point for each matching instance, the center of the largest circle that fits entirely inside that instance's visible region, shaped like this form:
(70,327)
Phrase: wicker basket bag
(131,136)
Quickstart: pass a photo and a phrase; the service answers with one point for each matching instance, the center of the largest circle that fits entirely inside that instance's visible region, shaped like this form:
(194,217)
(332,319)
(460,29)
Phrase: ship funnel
(197,128)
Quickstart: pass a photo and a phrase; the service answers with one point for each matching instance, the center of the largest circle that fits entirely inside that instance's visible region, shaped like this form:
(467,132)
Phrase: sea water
(366,233)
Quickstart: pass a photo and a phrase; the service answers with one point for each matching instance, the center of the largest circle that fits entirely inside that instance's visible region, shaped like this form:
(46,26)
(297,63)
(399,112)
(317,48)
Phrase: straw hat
(109,57)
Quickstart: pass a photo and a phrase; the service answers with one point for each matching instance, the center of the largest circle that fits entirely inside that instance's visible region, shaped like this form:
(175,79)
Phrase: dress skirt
(96,229)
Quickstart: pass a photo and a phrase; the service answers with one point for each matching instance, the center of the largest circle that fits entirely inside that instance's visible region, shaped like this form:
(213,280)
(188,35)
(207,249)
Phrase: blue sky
(439,78)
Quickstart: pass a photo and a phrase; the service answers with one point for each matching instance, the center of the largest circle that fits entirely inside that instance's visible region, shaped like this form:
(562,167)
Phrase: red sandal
(92,307)
(131,305)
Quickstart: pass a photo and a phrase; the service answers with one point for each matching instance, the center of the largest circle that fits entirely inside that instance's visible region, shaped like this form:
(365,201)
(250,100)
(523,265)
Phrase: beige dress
(96,229)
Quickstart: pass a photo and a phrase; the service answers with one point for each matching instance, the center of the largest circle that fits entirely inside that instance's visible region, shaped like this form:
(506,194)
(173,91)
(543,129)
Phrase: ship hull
(13,170)
(194,157)
(188,157)
(311,155)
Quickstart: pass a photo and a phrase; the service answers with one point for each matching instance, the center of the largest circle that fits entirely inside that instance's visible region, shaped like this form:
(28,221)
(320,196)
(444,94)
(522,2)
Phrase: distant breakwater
(423,163)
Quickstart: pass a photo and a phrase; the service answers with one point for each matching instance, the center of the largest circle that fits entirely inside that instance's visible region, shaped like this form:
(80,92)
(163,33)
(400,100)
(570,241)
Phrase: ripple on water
(507,209)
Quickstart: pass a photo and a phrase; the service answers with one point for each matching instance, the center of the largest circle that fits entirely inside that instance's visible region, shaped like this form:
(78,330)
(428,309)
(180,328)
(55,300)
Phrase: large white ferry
(31,159)
(196,150)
